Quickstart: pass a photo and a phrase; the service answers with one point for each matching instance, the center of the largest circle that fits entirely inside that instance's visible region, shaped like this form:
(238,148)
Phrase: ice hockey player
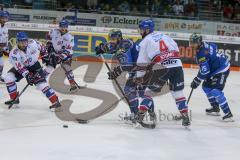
(24,58)
(4,50)
(159,49)
(60,49)
(214,71)
(126,52)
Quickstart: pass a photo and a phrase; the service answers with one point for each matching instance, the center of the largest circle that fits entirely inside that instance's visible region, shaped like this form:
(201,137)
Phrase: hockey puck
(65,126)
(82,121)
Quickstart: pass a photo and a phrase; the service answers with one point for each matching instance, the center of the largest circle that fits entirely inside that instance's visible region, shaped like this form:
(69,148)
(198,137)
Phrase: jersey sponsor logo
(180,84)
(165,56)
(169,62)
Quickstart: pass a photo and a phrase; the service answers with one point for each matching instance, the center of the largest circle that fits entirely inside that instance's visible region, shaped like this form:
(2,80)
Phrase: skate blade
(56,109)
(137,125)
(15,106)
(187,128)
(213,114)
(229,120)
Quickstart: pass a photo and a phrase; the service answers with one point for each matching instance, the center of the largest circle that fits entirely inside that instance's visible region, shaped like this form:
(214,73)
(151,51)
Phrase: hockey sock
(12,89)
(182,104)
(50,94)
(146,104)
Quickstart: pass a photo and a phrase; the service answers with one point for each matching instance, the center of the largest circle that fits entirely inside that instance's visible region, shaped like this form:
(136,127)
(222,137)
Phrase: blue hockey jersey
(210,61)
(128,58)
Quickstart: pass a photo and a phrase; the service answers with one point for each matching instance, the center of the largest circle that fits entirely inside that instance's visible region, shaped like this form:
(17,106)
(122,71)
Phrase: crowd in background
(229,9)
(147,7)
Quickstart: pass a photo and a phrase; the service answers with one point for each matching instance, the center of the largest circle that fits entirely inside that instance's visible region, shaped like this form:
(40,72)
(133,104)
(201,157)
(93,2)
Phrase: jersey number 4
(163,46)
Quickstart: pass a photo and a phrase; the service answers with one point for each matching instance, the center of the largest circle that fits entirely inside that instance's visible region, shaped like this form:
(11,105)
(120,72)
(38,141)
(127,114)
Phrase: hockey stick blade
(81,121)
(149,126)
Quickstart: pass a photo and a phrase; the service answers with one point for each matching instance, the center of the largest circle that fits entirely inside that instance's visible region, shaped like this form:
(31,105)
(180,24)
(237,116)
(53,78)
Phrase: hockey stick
(24,89)
(190,95)
(116,82)
(150,126)
(66,72)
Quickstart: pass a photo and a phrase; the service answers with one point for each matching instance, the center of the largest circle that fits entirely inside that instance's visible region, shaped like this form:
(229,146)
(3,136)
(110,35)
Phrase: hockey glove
(115,73)
(4,51)
(195,83)
(30,78)
(102,48)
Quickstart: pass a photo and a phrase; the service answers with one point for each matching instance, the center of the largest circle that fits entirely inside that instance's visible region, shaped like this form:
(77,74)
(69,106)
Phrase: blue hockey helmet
(146,24)
(63,23)
(1,13)
(21,36)
(6,14)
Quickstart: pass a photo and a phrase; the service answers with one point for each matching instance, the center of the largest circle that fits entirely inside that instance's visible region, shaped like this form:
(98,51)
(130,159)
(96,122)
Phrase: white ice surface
(32,132)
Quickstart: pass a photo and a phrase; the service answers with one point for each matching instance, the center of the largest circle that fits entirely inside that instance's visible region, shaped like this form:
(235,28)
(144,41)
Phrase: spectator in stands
(178,8)
(228,11)
(135,10)
(157,7)
(55,21)
(147,12)
(237,11)
(92,4)
(190,9)
(124,7)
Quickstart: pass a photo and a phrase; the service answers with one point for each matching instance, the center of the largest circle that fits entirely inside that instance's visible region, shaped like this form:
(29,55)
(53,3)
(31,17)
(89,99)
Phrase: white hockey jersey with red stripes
(159,48)
(65,41)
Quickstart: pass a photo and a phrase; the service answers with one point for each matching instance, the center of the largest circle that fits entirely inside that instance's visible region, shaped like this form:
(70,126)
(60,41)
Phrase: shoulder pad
(125,44)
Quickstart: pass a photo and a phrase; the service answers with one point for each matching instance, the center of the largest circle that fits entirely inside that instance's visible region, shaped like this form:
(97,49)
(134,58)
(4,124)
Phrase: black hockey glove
(30,78)
(195,83)
(102,48)
(115,73)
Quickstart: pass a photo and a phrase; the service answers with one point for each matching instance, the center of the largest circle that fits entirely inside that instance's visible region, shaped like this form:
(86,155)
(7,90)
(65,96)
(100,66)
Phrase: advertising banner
(85,43)
(131,22)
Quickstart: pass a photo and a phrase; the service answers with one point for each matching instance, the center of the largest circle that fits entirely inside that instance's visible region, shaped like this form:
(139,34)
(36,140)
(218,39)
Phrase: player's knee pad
(219,96)
(48,70)
(216,93)
(66,67)
(210,96)
(9,77)
(41,86)
(147,104)
(177,94)
(206,90)
(130,91)
(180,100)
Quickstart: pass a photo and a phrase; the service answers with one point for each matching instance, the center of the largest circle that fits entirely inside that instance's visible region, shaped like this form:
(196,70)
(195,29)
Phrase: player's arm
(65,53)
(103,48)
(143,59)
(204,70)
(123,55)
(15,60)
